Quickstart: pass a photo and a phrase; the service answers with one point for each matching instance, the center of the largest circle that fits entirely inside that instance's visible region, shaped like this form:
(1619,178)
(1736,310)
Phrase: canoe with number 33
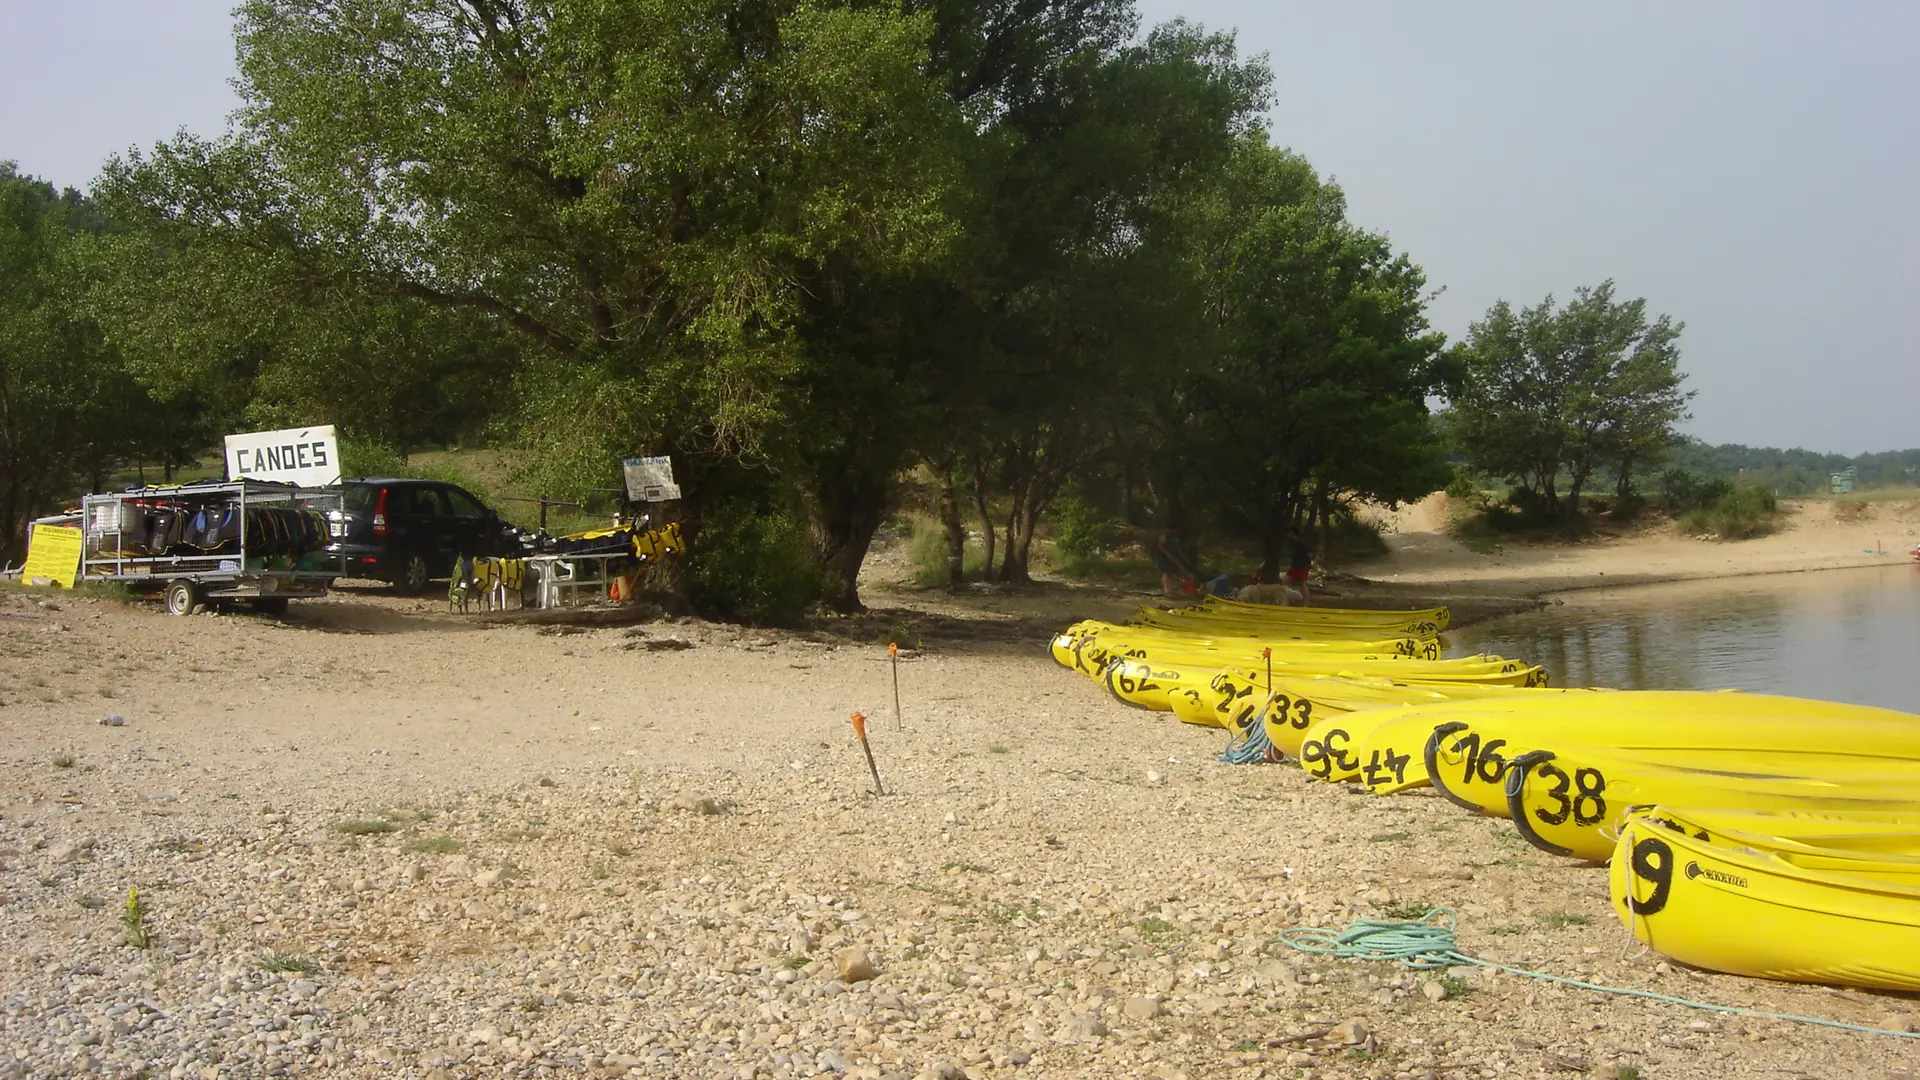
(1767,914)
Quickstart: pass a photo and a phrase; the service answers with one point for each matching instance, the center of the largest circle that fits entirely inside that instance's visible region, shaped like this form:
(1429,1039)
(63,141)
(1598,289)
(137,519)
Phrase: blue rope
(1251,745)
(1429,943)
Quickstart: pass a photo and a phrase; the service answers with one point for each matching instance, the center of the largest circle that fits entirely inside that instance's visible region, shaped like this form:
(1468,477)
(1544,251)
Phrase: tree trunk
(1624,487)
(851,509)
(986,524)
(1013,564)
(956,530)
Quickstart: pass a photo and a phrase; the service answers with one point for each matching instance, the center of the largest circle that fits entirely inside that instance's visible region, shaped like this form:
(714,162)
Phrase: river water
(1843,635)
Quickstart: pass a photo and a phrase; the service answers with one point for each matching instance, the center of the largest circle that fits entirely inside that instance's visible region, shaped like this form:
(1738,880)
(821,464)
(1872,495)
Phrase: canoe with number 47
(1388,750)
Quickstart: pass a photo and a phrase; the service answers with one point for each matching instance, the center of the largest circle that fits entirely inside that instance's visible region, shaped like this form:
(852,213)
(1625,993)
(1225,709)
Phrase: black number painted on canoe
(1226,703)
(1328,753)
(1383,763)
(1652,862)
(1581,796)
(1483,762)
(1322,756)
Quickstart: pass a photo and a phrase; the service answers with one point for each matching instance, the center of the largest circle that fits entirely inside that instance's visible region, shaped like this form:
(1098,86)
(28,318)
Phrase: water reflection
(1845,635)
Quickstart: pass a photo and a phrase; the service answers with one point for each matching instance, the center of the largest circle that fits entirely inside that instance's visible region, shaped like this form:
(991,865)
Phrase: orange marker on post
(860,729)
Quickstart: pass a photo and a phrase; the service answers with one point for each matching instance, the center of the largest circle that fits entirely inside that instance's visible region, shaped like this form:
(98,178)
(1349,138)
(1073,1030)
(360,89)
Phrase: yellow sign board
(53,554)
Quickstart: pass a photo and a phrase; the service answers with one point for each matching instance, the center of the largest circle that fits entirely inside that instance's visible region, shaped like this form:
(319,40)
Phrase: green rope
(1428,944)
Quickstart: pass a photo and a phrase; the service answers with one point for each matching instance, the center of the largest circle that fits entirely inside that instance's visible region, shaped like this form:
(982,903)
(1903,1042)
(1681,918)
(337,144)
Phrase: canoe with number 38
(1776,915)
(1572,799)
(1479,737)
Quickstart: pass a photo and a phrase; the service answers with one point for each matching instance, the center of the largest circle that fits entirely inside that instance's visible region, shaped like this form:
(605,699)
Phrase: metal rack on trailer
(214,541)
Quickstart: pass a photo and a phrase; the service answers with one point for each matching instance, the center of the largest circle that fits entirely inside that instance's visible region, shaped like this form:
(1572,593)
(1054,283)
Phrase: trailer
(253,541)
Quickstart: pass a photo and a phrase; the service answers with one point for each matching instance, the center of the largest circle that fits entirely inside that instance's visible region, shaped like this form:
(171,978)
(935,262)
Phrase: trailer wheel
(183,598)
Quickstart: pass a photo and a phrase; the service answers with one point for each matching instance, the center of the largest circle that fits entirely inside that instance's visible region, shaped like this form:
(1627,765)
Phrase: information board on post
(650,479)
(309,457)
(53,555)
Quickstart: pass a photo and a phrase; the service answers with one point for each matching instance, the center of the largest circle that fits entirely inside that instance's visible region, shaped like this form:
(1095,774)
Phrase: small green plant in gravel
(365,827)
(1407,912)
(1560,919)
(795,963)
(1155,927)
(91,902)
(134,918)
(1455,986)
(63,761)
(275,960)
(621,850)
(1389,837)
(436,845)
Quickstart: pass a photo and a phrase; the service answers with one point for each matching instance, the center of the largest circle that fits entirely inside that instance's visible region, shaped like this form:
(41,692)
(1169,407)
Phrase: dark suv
(408,532)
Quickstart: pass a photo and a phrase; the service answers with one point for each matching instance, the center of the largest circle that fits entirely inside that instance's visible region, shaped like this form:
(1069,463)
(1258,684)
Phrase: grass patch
(998,748)
(91,902)
(1560,919)
(275,960)
(365,827)
(63,761)
(1127,567)
(1742,513)
(899,633)
(1155,927)
(619,849)
(521,836)
(1389,837)
(1005,915)
(927,551)
(437,845)
(1455,986)
(795,963)
(1405,912)
(966,867)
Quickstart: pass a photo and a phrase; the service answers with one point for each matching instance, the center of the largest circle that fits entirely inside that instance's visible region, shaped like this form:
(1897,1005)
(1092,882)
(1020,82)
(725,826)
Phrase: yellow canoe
(1154,683)
(1764,914)
(1437,617)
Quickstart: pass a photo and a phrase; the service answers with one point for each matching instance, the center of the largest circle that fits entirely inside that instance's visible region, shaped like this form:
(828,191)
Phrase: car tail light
(380,514)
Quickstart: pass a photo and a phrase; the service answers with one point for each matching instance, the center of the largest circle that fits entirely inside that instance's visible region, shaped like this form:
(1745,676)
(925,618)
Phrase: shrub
(927,551)
(1741,512)
(1350,539)
(1079,528)
(1462,485)
(754,565)
(1629,506)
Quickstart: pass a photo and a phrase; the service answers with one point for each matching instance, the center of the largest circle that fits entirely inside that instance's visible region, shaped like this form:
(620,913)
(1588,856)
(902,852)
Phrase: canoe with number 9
(1764,914)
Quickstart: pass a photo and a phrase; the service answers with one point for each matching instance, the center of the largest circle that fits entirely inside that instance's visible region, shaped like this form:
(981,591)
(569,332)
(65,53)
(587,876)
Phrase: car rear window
(359,498)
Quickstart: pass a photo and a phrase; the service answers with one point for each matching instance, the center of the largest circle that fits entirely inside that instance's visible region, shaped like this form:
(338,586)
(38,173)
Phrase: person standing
(1299,565)
(1167,560)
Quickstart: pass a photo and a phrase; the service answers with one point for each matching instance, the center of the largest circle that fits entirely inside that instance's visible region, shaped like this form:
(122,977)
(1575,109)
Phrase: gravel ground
(375,840)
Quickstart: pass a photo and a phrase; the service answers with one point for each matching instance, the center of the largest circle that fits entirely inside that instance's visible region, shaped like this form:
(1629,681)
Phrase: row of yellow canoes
(1750,833)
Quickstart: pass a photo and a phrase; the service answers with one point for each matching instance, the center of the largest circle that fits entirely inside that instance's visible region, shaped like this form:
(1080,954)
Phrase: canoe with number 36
(1766,914)
(1388,749)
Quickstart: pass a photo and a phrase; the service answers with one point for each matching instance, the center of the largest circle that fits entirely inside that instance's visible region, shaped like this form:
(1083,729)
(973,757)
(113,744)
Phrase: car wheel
(415,577)
(183,598)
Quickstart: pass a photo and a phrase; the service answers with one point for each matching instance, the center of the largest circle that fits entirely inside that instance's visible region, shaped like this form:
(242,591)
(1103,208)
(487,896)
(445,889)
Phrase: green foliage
(927,550)
(133,917)
(277,961)
(1555,391)
(754,564)
(1348,539)
(1080,529)
(1741,512)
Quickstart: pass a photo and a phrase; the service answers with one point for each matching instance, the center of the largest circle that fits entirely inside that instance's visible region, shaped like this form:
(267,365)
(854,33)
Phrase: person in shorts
(1299,565)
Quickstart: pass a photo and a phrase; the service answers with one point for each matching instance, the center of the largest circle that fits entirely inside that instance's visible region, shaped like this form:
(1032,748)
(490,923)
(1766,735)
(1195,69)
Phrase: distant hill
(1796,471)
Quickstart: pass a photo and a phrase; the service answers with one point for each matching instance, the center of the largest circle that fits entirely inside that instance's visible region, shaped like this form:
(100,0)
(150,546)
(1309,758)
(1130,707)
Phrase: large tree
(1315,389)
(68,409)
(1553,392)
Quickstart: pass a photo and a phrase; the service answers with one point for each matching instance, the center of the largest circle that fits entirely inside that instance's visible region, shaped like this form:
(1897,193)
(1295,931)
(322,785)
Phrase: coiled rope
(1429,944)
(1251,745)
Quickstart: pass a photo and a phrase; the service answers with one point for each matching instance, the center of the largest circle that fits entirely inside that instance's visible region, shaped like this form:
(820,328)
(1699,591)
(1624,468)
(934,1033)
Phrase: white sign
(650,479)
(309,457)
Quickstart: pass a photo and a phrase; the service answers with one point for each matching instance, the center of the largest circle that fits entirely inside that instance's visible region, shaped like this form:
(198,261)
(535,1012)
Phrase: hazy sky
(1751,168)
